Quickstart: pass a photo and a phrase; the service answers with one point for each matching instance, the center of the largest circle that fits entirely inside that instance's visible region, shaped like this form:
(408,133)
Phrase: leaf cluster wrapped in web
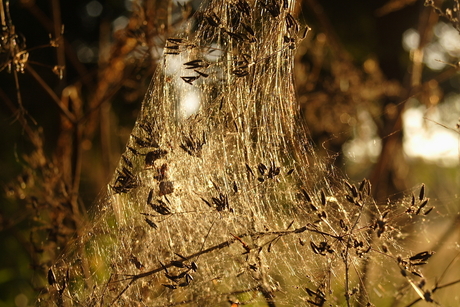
(219,198)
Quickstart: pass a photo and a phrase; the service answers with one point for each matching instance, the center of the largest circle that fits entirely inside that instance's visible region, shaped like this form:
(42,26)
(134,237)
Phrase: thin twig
(52,94)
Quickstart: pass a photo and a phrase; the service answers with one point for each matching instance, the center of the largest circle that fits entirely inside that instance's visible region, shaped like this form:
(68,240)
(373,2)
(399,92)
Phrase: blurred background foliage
(377,83)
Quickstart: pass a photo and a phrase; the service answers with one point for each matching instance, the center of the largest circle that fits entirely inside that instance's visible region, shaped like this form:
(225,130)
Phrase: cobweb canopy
(219,196)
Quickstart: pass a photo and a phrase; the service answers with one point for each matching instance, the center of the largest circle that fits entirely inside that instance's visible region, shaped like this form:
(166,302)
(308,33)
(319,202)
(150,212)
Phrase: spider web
(219,197)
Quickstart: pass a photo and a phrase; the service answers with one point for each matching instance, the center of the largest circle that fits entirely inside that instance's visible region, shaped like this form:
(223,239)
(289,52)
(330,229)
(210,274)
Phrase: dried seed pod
(362,185)
(166,187)
(235,187)
(273,171)
(213,19)
(428,211)
(201,73)
(178,264)
(193,145)
(240,73)
(384,248)
(423,204)
(352,188)
(323,198)
(243,7)
(134,151)
(422,256)
(127,161)
(206,202)
(422,192)
(188,278)
(51,277)
(196,64)
(221,202)
(305,194)
(350,199)
(369,187)
(236,36)
(190,79)
(291,23)
(149,198)
(176,40)
(194,266)
(262,168)
(161,208)
(151,223)
(248,29)
(305,32)
(154,155)
(314,247)
(249,171)
(174,47)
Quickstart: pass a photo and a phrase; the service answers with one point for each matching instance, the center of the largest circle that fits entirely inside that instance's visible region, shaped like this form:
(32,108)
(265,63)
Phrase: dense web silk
(219,198)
